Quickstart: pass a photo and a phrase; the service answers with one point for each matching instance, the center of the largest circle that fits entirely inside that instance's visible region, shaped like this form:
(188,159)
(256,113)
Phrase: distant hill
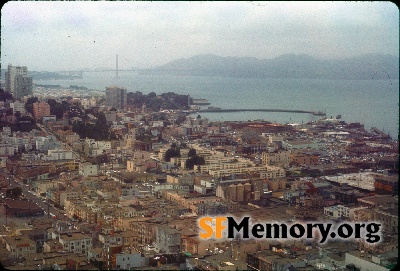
(368,66)
(41,75)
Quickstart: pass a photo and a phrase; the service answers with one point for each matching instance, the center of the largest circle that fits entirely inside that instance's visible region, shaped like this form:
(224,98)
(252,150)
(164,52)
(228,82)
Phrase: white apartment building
(76,242)
(216,173)
(220,166)
(341,211)
(54,155)
(44,144)
(111,239)
(272,172)
(126,261)
(87,169)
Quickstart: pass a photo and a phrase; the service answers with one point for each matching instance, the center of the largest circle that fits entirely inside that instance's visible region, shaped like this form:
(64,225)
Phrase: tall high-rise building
(116,97)
(18,83)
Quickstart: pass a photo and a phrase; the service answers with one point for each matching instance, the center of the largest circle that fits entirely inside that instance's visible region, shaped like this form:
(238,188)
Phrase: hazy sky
(75,35)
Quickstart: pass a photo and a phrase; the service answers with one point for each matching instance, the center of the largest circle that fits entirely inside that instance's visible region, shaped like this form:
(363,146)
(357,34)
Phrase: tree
(4,96)
(29,104)
(195,160)
(191,153)
(159,138)
(172,152)
(152,95)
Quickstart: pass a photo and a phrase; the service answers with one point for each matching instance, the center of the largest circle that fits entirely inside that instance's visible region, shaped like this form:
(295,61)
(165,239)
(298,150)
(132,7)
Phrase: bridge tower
(116,66)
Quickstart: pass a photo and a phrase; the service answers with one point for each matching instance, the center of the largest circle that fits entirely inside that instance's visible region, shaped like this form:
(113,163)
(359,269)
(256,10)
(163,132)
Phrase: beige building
(389,218)
(276,158)
(216,173)
(276,184)
(19,246)
(272,172)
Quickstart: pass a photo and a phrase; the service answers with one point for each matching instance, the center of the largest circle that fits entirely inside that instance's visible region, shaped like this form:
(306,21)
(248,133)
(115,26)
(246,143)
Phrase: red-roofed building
(310,188)
(19,246)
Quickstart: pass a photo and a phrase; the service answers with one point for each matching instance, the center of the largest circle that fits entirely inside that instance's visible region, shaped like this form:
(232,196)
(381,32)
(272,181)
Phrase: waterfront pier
(218,110)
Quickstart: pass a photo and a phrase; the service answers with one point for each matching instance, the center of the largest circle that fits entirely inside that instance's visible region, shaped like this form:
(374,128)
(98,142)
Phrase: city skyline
(80,35)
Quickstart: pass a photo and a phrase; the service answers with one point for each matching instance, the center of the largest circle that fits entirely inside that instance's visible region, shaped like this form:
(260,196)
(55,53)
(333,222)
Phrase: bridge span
(214,110)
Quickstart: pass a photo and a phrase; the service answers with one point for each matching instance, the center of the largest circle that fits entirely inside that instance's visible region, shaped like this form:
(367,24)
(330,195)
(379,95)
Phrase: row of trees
(22,123)
(174,151)
(100,130)
(4,96)
(193,158)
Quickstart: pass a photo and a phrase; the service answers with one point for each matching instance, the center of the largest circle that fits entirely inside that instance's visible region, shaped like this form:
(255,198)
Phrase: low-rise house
(19,246)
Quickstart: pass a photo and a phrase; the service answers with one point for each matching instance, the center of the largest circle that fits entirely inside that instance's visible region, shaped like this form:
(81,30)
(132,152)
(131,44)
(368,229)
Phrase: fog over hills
(367,66)
(363,67)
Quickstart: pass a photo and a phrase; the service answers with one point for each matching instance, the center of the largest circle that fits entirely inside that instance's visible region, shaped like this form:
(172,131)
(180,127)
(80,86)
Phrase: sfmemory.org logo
(221,227)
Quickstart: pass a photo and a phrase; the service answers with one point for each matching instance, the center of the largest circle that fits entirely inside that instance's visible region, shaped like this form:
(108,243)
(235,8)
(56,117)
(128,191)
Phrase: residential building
(111,239)
(128,259)
(276,158)
(44,144)
(116,97)
(17,81)
(357,260)
(18,107)
(76,242)
(168,239)
(272,172)
(19,246)
(40,110)
(88,169)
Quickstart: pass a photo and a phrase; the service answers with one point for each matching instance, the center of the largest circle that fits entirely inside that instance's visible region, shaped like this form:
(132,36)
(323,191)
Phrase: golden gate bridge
(79,73)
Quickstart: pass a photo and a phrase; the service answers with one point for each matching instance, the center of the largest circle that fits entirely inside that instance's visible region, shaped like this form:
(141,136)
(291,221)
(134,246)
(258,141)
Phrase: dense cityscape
(94,180)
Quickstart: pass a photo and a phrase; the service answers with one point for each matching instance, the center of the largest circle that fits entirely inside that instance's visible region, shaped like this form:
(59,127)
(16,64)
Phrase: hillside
(368,66)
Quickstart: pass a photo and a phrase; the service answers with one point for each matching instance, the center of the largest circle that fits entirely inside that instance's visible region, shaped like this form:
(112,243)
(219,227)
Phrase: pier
(216,110)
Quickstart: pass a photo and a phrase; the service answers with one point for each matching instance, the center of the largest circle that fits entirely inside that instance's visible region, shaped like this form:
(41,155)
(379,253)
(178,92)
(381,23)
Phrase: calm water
(371,102)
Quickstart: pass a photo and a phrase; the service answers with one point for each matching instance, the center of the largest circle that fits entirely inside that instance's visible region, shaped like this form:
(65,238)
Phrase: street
(43,205)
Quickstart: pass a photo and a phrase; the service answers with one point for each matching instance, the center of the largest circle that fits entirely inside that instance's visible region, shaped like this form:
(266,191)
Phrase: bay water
(374,103)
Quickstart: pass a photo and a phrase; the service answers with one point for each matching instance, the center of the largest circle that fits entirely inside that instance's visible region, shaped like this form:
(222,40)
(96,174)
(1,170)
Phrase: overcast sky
(75,35)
